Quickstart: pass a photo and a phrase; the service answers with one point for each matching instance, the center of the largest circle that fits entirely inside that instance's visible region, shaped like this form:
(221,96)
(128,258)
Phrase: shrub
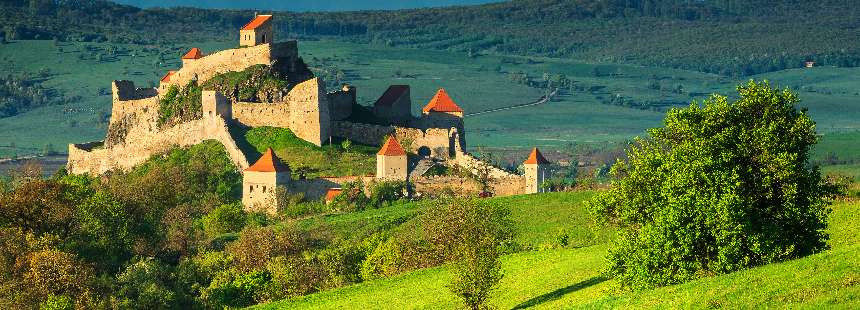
(385,192)
(472,233)
(225,218)
(722,187)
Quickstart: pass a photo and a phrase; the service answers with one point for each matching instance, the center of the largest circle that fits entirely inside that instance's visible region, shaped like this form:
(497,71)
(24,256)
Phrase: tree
(472,234)
(722,187)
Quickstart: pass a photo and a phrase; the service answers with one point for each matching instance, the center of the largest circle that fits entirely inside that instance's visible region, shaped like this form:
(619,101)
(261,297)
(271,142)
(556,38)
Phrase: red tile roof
(536,158)
(332,194)
(441,102)
(166,77)
(391,148)
(257,22)
(268,163)
(194,53)
(391,95)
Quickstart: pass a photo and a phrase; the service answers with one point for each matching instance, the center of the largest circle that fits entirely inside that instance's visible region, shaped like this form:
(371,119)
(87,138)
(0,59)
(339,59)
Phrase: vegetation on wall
(722,187)
(258,83)
(180,104)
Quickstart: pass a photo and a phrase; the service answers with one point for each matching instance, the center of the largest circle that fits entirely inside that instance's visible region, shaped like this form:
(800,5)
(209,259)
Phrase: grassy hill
(570,278)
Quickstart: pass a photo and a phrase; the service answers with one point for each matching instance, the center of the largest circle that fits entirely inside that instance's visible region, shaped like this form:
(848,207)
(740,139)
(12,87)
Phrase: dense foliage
(731,36)
(721,187)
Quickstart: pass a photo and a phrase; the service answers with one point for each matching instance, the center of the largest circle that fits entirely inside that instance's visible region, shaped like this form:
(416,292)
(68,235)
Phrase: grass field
(476,83)
(570,278)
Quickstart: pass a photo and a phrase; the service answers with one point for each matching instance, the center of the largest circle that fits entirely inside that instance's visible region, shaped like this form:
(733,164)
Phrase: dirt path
(542,100)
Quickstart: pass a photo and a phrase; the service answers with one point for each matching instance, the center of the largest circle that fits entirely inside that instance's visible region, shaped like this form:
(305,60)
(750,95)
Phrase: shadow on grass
(554,295)
(237,132)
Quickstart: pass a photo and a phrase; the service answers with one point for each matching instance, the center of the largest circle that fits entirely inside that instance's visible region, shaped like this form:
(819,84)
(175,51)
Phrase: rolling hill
(303,5)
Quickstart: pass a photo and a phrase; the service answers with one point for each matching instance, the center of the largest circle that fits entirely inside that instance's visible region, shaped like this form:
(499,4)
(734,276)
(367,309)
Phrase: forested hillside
(730,37)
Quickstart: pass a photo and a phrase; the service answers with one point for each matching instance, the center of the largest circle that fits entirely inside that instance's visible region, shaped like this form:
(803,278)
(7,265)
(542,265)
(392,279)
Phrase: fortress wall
(341,102)
(254,114)
(237,59)
(315,189)
(309,115)
(436,141)
(126,99)
(142,143)
(474,165)
(435,185)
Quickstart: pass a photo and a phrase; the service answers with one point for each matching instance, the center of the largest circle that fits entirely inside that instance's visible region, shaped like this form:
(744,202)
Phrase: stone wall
(142,143)
(341,102)
(437,142)
(237,59)
(309,111)
(256,114)
(129,99)
(435,185)
(315,189)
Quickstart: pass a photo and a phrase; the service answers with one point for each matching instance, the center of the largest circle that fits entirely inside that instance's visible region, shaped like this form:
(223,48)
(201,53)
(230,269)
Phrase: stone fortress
(411,146)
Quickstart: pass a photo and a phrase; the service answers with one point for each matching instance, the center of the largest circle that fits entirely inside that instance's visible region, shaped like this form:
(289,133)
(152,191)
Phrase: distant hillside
(303,5)
(731,37)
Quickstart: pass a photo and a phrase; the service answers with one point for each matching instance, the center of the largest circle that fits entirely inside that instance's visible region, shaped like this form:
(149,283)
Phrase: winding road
(542,100)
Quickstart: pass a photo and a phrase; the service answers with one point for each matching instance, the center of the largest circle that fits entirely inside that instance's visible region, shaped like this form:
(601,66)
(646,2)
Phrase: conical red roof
(194,53)
(391,148)
(441,102)
(268,163)
(536,158)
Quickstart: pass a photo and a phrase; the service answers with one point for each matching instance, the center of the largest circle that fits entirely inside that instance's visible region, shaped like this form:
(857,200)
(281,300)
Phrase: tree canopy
(721,187)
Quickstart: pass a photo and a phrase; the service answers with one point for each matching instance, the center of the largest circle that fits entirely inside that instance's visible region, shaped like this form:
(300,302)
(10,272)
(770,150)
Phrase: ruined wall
(315,189)
(142,143)
(341,102)
(472,164)
(235,60)
(256,114)
(435,142)
(126,99)
(309,112)
(462,186)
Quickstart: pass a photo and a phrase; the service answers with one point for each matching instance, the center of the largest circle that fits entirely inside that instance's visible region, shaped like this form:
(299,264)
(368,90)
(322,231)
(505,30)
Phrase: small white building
(391,161)
(260,183)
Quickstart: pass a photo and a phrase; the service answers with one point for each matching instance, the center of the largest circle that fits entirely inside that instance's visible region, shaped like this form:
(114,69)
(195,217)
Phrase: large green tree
(721,187)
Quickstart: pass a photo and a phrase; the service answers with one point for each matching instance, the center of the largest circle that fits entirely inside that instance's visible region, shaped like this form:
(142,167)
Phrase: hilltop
(725,37)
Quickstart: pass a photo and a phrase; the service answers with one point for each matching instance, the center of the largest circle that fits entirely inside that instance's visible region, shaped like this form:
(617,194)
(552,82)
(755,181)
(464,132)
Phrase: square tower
(536,169)
(260,183)
(442,112)
(216,104)
(257,31)
(391,161)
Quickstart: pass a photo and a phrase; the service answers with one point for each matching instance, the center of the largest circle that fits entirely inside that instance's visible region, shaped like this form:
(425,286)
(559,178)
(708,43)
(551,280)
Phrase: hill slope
(570,278)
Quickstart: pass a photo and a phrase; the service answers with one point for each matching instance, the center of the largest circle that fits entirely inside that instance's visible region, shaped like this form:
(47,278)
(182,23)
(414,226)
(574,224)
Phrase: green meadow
(557,277)
(477,83)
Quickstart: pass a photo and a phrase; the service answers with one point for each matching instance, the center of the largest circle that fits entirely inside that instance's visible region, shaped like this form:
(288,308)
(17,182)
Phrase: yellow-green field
(563,278)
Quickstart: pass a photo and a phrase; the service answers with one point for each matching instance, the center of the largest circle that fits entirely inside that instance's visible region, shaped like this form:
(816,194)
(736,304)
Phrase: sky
(304,5)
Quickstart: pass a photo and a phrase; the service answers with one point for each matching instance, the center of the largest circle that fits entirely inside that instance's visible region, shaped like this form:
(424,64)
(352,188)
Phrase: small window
(251,189)
(264,188)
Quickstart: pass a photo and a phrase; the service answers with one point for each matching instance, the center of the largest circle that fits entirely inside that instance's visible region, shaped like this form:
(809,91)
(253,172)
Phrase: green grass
(328,160)
(570,278)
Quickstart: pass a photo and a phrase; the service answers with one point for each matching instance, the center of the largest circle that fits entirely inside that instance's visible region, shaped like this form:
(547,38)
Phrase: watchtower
(391,161)
(260,183)
(536,169)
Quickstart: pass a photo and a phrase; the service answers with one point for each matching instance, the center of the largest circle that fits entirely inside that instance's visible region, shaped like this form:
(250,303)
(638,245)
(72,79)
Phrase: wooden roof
(536,158)
(441,102)
(257,22)
(391,148)
(268,163)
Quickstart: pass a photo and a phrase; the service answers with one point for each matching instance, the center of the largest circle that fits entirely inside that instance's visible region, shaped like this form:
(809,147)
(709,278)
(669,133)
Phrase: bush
(473,234)
(224,219)
(722,187)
